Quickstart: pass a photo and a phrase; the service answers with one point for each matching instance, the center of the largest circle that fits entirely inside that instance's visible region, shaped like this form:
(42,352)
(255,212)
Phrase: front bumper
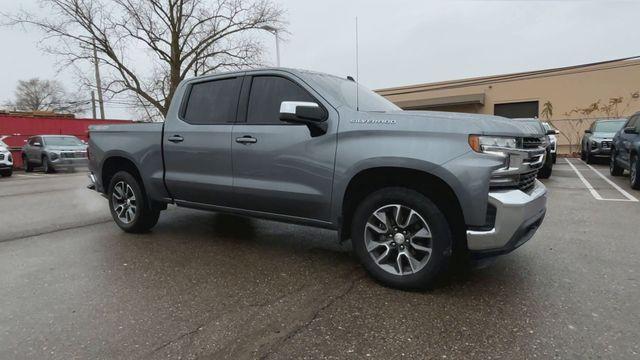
(69,163)
(518,216)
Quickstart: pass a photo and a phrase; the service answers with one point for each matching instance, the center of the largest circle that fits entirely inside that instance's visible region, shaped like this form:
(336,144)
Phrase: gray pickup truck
(410,189)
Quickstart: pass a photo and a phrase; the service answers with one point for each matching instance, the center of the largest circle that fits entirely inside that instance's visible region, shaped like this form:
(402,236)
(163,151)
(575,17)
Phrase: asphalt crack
(296,330)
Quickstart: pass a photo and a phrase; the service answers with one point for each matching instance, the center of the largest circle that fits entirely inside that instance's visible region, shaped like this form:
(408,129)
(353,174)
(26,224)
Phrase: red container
(19,127)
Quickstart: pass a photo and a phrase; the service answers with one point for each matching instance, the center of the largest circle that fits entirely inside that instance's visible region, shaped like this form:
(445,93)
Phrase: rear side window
(267,93)
(213,102)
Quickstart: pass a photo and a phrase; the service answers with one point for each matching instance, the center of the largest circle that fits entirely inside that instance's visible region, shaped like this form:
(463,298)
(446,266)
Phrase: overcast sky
(404,42)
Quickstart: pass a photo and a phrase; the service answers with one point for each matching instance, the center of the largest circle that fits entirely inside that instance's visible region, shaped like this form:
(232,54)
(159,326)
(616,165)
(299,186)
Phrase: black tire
(588,157)
(614,169)
(27,165)
(6,173)
(634,170)
(46,166)
(545,172)
(441,237)
(554,158)
(145,217)
(582,153)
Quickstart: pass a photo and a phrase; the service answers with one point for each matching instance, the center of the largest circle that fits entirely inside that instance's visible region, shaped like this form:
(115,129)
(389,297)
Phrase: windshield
(546,126)
(3,145)
(344,91)
(62,141)
(609,126)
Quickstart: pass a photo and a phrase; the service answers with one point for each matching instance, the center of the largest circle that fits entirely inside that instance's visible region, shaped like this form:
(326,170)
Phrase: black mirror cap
(587,131)
(313,113)
(551,132)
(630,130)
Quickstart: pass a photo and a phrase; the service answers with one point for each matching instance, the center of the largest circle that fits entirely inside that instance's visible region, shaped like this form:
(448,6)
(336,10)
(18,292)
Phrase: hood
(459,123)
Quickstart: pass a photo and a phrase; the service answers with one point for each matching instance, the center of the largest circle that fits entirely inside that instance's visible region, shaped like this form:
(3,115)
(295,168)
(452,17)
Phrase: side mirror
(587,131)
(551,132)
(630,130)
(37,144)
(307,113)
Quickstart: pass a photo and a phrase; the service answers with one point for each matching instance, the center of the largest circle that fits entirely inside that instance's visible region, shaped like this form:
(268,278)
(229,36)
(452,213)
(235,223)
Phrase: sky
(401,42)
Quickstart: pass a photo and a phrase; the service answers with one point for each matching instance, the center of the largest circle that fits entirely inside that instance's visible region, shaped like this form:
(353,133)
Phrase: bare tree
(149,46)
(44,95)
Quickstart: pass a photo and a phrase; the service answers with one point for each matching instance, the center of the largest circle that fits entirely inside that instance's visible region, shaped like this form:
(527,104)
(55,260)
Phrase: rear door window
(213,102)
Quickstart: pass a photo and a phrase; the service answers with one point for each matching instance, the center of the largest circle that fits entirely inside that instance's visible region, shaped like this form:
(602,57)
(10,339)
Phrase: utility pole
(98,82)
(93,104)
(274,31)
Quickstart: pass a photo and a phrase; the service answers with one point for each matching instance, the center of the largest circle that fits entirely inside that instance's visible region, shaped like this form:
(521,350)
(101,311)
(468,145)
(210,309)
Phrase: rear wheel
(27,165)
(129,205)
(614,169)
(402,238)
(634,170)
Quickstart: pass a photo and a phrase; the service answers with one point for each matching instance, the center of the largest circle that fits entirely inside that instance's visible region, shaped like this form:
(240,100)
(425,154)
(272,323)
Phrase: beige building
(570,97)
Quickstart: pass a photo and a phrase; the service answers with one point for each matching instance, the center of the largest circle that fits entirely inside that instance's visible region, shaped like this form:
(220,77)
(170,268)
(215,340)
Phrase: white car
(553,141)
(6,160)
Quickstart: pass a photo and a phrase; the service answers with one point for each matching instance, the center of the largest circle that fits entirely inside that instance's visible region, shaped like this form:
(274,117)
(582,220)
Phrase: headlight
(53,155)
(491,144)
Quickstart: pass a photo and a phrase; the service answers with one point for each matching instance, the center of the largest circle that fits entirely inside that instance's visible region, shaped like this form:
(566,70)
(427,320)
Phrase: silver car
(54,152)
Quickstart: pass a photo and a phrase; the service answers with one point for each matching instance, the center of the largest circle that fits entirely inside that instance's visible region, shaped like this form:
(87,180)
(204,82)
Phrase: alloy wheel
(124,202)
(398,239)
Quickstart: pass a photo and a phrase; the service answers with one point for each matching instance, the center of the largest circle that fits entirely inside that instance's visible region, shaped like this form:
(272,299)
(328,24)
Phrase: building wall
(567,89)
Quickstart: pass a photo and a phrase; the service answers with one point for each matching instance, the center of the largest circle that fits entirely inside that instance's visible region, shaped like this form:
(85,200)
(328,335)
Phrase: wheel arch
(433,186)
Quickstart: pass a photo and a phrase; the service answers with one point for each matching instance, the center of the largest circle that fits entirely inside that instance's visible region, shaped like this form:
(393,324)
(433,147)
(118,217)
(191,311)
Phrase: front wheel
(634,170)
(402,238)
(129,205)
(46,167)
(6,173)
(614,168)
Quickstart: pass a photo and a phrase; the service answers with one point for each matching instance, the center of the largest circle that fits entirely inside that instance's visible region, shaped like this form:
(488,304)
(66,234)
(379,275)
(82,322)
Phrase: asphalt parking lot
(204,285)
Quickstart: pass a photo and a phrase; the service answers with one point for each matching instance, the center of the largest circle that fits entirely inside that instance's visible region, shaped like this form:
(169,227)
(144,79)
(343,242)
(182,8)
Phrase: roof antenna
(357,69)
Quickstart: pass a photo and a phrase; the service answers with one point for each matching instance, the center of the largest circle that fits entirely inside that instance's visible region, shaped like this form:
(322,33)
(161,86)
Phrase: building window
(527,109)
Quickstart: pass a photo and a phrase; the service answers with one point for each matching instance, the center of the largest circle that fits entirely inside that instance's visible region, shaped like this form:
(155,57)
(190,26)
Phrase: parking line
(584,181)
(615,186)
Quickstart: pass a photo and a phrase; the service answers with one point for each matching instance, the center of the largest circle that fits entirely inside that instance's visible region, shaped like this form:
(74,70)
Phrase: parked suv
(410,189)
(625,151)
(6,160)
(54,152)
(596,142)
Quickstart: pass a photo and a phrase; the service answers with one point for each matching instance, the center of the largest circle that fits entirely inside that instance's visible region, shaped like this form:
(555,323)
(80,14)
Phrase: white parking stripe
(584,181)
(615,186)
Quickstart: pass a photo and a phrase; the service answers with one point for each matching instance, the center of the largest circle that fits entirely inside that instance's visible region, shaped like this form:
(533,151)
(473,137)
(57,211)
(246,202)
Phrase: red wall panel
(20,127)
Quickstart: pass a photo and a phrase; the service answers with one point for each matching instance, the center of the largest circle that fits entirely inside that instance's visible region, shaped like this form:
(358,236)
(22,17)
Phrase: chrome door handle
(246,140)
(176,139)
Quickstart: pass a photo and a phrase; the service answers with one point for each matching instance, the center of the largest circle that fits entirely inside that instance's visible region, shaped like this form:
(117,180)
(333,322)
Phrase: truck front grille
(532,143)
(527,181)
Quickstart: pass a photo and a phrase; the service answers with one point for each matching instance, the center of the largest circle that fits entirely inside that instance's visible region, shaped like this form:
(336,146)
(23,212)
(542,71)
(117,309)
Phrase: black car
(625,151)
(544,139)
(596,142)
